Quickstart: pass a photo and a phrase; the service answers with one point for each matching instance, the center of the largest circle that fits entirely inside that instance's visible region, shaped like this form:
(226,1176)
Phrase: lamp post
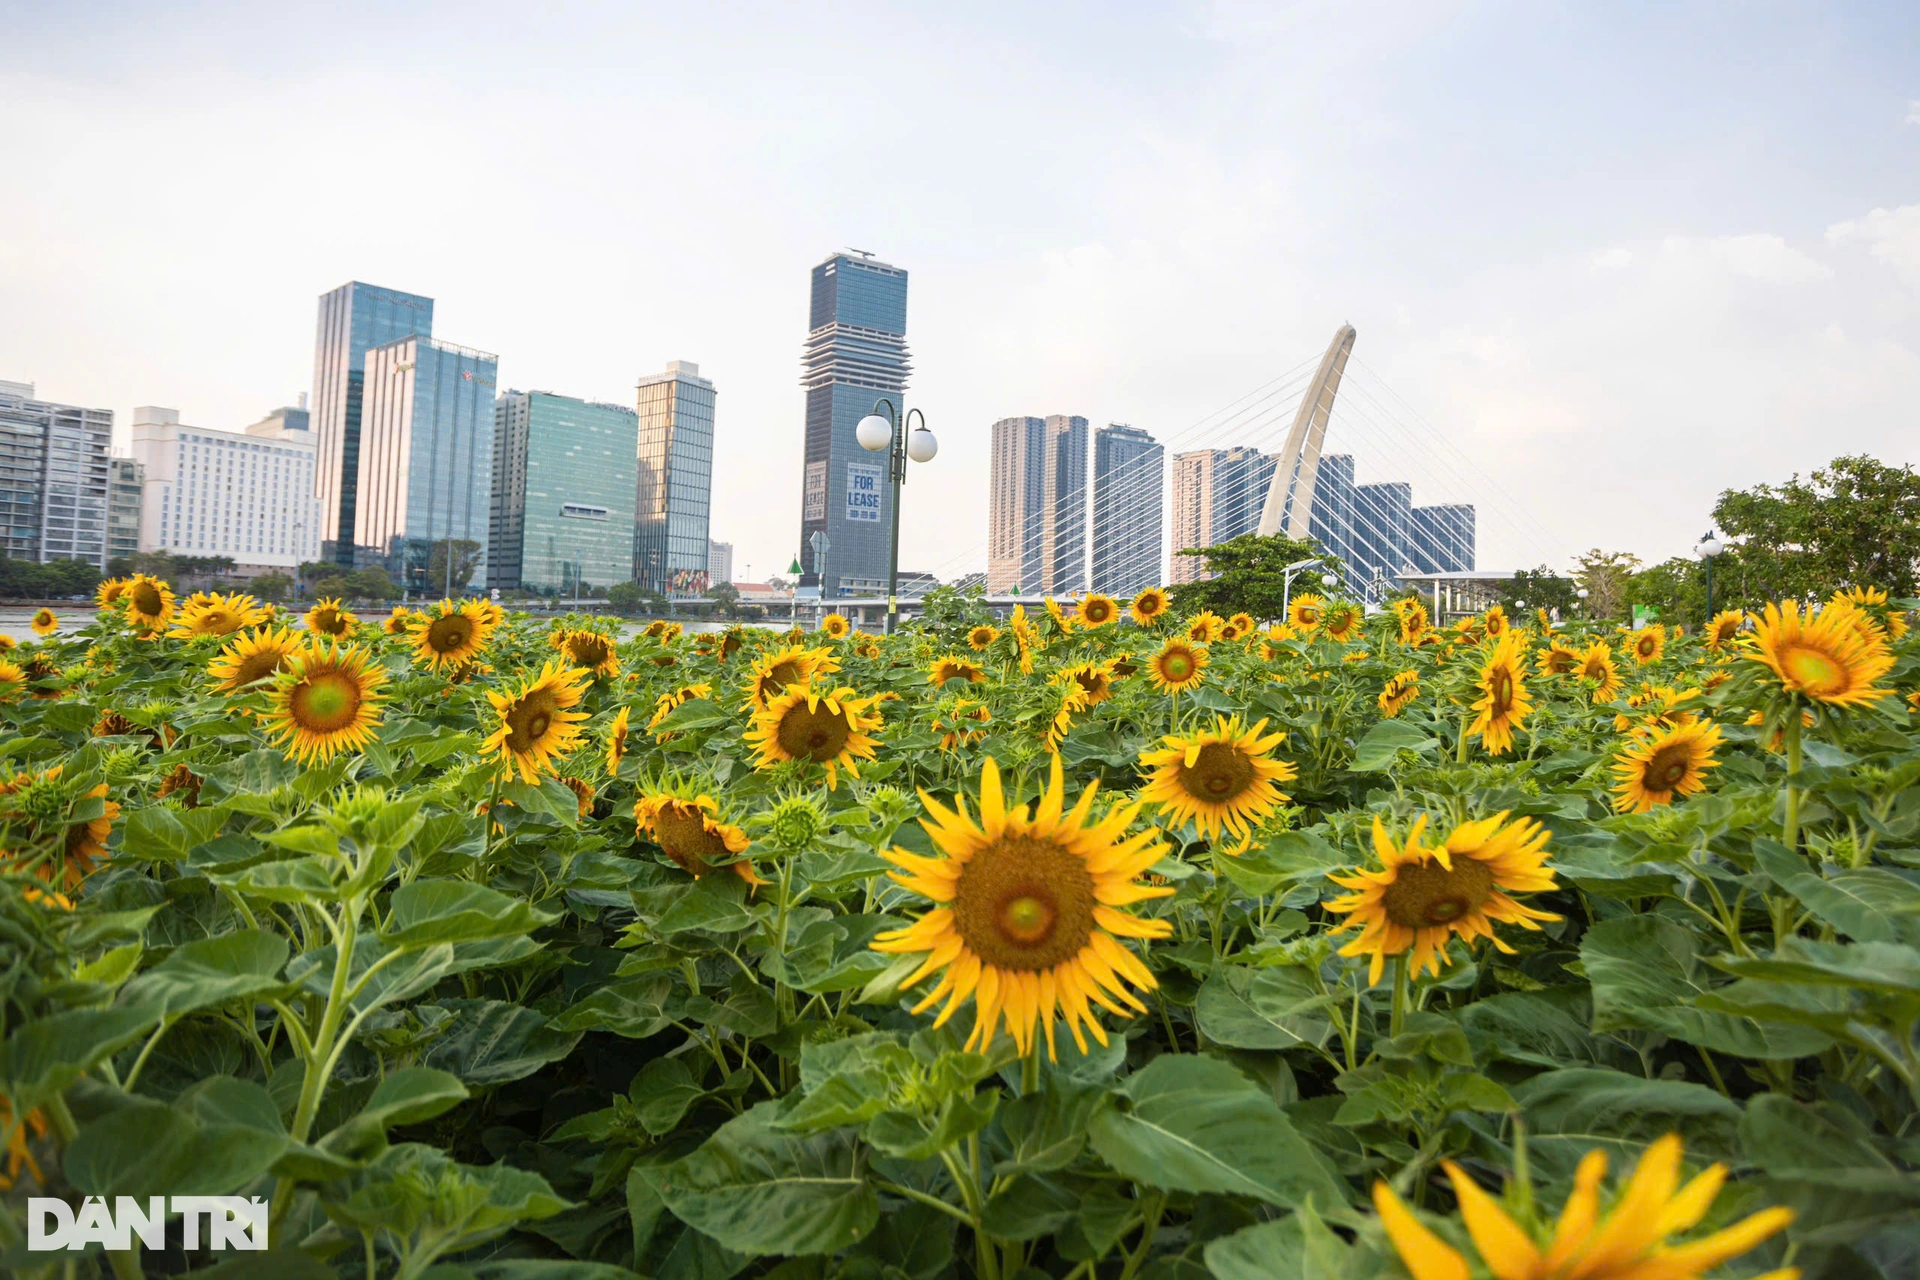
(1286,583)
(891,433)
(1710,546)
(1582,594)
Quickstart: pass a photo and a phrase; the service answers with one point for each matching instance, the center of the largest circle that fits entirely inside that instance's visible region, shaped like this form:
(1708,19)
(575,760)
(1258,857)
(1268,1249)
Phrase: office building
(425,457)
(719,562)
(673,487)
(563,490)
(1037,505)
(354,319)
(1443,536)
(1378,533)
(1127,487)
(125,483)
(1063,518)
(855,353)
(1382,530)
(53,478)
(1217,496)
(286,418)
(246,495)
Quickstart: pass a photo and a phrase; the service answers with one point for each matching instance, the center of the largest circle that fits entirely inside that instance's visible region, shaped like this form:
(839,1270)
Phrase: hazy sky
(1620,256)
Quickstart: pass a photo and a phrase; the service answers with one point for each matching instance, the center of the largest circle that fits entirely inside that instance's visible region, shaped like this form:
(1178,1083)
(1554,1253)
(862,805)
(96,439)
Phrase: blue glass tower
(856,352)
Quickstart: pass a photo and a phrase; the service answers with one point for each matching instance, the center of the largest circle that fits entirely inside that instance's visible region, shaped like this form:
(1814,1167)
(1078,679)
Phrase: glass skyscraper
(53,478)
(856,352)
(426,455)
(353,319)
(673,484)
(563,493)
(1127,484)
(1217,496)
(1378,533)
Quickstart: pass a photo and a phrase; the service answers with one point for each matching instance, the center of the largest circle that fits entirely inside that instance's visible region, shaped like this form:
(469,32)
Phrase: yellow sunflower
(1150,604)
(773,672)
(149,602)
(13,678)
(688,831)
(954,667)
(1097,610)
(33,806)
(328,618)
(1025,635)
(617,740)
(1178,667)
(1424,894)
(448,634)
(1342,621)
(1504,701)
(1028,912)
(980,637)
(1596,664)
(538,722)
(829,729)
(1229,632)
(1559,659)
(1662,766)
(1243,623)
(207,613)
(32,1127)
(7,643)
(1412,616)
(1094,678)
(669,702)
(1304,613)
(256,655)
(1823,657)
(961,723)
(1628,1243)
(1873,603)
(1205,627)
(835,626)
(1072,701)
(1494,622)
(44,623)
(590,650)
(1219,778)
(1399,692)
(400,621)
(108,593)
(1059,616)
(1649,643)
(325,700)
(1725,626)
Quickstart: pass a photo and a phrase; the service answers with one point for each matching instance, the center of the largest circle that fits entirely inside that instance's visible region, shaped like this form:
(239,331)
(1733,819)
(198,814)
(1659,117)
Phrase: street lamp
(1286,583)
(891,433)
(1710,546)
(1582,595)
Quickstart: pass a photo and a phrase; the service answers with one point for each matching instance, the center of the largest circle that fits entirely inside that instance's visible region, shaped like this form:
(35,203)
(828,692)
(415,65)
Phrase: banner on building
(814,507)
(863,491)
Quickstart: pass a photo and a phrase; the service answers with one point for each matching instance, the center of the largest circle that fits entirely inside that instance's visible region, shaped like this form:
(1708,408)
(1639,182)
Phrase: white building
(719,562)
(244,494)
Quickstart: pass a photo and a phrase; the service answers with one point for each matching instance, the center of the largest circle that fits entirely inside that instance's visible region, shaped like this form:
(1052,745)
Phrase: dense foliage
(1104,944)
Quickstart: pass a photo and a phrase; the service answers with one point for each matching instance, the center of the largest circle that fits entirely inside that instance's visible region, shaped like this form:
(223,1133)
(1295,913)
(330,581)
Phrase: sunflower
(1073,700)
(1205,627)
(1662,766)
(1412,616)
(537,721)
(1230,632)
(657,629)
(1148,605)
(1059,616)
(1304,613)
(1596,664)
(961,723)
(149,602)
(36,805)
(1872,601)
(1665,701)
(1399,692)
(980,637)
(1223,778)
(591,651)
(954,667)
(208,613)
(835,626)
(13,678)
(1823,657)
(672,700)
(1027,916)
(45,622)
(688,832)
(7,643)
(1559,659)
(182,782)
(400,621)
(830,729)
(617,740)
(1630,1243)
(1494,622)
(1178,666)
(773,672)
(325,700)
(1342,621)
(1649,642)
(1504,701)
(112,724)
(729,643)
(1725,625)
(253,656)
(495,614)
(328,618)
(32,1127)
(1546,621)
(1097,610)
(868,649)
(448,635)
(1024,637)
(108,593)
(1243,623)
(1424,894)
(1094,678)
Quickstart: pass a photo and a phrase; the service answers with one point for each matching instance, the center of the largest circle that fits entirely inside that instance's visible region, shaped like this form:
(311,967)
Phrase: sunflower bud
(796,823)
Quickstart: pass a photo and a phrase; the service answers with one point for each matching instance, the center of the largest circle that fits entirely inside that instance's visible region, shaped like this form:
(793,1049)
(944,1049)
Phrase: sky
(1605,261)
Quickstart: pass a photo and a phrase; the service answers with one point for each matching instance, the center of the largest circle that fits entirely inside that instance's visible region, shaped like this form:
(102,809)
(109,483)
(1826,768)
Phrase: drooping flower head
(590,650)
(1218,778)
(1725,626)
(688,831)
(961,722)
(400,621)
(617,740)
(1559,659)
(537,721)
(108,593)
(325,699)
(954,667)
(672,700)
(1398,693)
(773,672)
(208,613)
(254,656)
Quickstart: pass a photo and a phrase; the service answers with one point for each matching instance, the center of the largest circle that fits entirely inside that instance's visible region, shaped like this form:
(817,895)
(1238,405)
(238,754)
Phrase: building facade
(563,493)
(673,486)
(1016,496)
(126,481)
(1218,495)
(1378,533)
(719,562)
(425,457)
(54,478)
(1063,520)
(354,319)
(1128,471)
(1443,538)
(855,353)
(247,495)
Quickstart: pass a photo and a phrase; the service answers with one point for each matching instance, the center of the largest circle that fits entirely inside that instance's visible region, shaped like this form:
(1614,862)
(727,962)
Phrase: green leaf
(634,1009)
(428,911)
(114,967)
(291,880)
(416,1189)
(1190,1123)
(1867,904)
(1870,966)
(1571,1111)
(489,1042)
(258,772)
(1028,1207)
(149,1149)
(1382,744)
(909,1135)
(1299,1245)
(406,1096)
(716,904)
(696,713)
(46,1055)
(1544,1029)
(662,1091)
(242,965)
(1276,1008)
(163,834)
(1048,1129)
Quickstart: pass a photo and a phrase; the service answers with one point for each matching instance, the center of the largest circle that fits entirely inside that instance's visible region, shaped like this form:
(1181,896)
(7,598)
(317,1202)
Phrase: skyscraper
(1217,496)
(53,478)
(856,352)
(1016,494)
(425,456)
(563,493)
(1127,487)
(1443,536)
(246,495)
(1382,529)
(353,319)
(1063,528)
(1331,521)
(719,562)
(673,492)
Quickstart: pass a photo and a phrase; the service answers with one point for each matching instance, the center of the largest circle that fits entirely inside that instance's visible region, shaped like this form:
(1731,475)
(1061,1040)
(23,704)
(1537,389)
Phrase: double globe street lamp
(891,432)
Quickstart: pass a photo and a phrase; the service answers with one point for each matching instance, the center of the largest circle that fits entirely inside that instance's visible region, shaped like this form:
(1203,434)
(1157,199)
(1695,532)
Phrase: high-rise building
(53,478)
(563,491)
(1330,523)
(1378,534)
(1127,486)
(425,457)
(856,352)
(353,319)
(719,562)
(244,495)
(1443,536)
(673,489)
(1063,520)
(1016,495)
(1382,530)
(1217,496)
(126,480)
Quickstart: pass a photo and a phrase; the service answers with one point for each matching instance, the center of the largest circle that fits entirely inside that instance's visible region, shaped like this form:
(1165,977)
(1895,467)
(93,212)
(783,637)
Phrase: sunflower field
(1094,943)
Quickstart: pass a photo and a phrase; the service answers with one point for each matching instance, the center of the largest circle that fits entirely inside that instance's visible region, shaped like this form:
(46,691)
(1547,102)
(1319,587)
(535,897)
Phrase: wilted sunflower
(328,618)
(325,700)
(1596,664)
(1423,894)
(1629,1243)
(982,636)
(617,740)
(729,643)
(1205,627)
(672,700)
(1504,702)
(448,634)
(112,724)
(773,672)
(1148,605)
(1660,766)
(657,629)
(13,678)
(1219,778)
(253,656)
(538,722)
(1823,657)
(400,621)
(1725,625)
(961,723)
(44,623)
(182,782)
(829,729)
(149,602)
(1027,916)
(208,613)
(1178,666)
(108,593)
(1399,692)
(1097,610)
(1094,678)
(1559,659)
(34,806)
(32,1126)
(835,626)
(590,650)
(1649,642)
(1342,621)
(1304,613)
(688,831)
(1073,700)
(954,667)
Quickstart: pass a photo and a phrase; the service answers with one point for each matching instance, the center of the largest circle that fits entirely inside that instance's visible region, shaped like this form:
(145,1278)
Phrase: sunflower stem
(1030,1074)
(1460,743)
(1790,825)
(1398,1019)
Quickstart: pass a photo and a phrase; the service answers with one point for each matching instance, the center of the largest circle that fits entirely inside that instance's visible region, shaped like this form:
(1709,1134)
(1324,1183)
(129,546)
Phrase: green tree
(1604,575)
(272,586)
(624,597)
(725,597)
(336,586)
(466,558)
(1856,522)
(1249,575)
(373,583)
(1540,588)
(1675,590)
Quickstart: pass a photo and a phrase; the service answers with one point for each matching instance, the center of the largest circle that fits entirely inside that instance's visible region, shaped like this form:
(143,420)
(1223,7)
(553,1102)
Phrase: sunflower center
(329,621)
(815,734)
(1814,670)
(529,718)
(1425,895)
(1024,902)
(1176,666)
(146,598)
(1667,768)
(681,830)
(1501,687)
(257,666)
(1096,612)
(591,652)
(449,634)
(1220,772)
(325,702)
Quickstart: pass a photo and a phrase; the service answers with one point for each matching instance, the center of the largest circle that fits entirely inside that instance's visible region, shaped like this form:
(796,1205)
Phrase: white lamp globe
(1582,593)
(1328,580)
(921,445)
(874,433)
(1712,547)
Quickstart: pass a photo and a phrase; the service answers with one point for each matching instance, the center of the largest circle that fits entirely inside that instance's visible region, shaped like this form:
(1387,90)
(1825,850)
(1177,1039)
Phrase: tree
(777,583)
(272,586)
(1541,588)
(121,567)
(1674,590)
(373,583)
(1604,575)
(726,598)
(1249,575)
(624,596)
(333,587)
(466,558)
(1855,523)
